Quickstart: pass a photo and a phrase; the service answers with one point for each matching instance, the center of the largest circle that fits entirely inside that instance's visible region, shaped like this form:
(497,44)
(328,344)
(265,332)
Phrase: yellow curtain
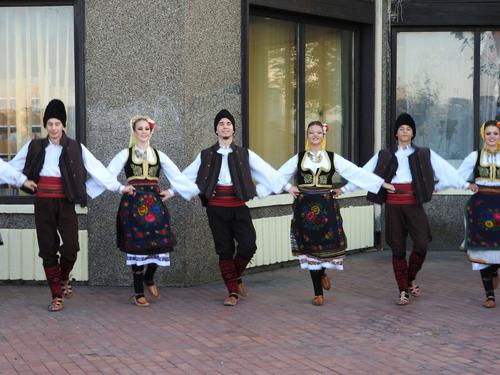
(272,89)
(37,65)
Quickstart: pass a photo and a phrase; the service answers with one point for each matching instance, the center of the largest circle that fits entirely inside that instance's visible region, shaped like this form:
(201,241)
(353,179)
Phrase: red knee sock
(241,264)
(66,267)
(401,273)
(415,264)
(229,275)
(53,274)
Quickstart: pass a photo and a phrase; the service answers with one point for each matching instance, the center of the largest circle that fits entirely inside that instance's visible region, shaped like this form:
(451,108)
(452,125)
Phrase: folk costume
(413,171)
(60,172)
(143,225)
(482,215)
(316,234)
(225,178)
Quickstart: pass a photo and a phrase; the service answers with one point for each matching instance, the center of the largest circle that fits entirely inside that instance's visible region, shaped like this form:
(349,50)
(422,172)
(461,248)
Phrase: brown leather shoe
(153,290)
(325,282)
(318,301)
(140,301)
(489,303)
(242,290)
(231,300)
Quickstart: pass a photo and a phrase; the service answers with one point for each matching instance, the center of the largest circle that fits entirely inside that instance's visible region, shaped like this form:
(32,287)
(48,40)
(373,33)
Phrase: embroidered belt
(50,187)
(404,195)
(225,196)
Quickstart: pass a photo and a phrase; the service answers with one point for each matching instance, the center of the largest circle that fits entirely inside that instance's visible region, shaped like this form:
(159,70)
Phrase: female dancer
(482,211)
(317,236)
(143,221)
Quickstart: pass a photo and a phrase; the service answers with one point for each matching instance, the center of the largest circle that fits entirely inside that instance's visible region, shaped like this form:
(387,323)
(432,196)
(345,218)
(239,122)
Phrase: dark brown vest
(71,165)
(239,168)
(421,170)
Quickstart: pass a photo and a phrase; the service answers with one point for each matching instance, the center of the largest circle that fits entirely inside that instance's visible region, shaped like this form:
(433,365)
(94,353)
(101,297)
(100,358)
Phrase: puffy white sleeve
(446,175)
(95,186)
(467,167)
(9,175)
(264,175)
(180,182)
(368,167)
(191,171)
(360,177)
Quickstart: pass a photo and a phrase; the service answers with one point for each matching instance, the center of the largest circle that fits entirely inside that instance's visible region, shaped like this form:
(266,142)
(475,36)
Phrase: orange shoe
(140,301)
(489,303)
(242,290)
(325,282)
(231,300)
(153,290)
(318,301)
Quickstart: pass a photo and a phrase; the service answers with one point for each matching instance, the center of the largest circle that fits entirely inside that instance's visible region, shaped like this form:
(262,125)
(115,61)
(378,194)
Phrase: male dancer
(413,171)
(224,174)
(58,164)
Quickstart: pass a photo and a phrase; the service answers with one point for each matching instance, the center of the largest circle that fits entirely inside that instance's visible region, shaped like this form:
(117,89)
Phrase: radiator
(19,256)
(273,234)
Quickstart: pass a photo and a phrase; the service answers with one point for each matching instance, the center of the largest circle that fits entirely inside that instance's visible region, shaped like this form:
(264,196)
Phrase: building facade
(276,65)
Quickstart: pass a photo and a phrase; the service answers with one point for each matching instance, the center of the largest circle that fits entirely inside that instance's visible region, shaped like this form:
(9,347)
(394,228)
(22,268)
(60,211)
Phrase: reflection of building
(264,60)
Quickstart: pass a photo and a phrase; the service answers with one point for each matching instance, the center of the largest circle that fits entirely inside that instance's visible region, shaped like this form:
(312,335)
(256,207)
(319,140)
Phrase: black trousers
(53,215)
(402,220)
(230,224)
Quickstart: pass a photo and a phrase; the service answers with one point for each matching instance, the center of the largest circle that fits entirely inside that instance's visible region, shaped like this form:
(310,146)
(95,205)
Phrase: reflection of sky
(435,85)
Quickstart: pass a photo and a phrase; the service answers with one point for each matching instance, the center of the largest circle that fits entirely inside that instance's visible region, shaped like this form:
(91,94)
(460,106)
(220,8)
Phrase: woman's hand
(129,189)
(294,191)
(474,188)
(165,194)
(29,184)
(389,187)
(338,192)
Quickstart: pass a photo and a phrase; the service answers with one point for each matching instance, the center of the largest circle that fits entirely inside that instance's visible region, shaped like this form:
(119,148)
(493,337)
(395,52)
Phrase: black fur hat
(224,113)
(55,109)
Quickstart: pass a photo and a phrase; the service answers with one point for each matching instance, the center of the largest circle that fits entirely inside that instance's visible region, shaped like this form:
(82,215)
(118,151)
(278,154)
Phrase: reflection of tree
(418,101)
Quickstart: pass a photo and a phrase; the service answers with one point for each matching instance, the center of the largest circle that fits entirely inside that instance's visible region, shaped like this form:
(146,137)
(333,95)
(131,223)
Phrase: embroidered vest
(487,169)
(137,168)
(322,178)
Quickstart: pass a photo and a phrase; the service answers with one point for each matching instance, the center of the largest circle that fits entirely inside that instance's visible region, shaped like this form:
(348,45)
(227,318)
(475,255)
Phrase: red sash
(225,196)
(404,195)
(50,187)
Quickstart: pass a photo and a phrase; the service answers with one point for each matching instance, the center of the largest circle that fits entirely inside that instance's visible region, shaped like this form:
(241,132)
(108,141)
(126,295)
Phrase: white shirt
(348,170)
(446,175)
(179,182)
(51,165)
(268,180)
(8,175)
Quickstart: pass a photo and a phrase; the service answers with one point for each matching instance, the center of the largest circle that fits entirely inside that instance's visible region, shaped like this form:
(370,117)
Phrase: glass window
(284,83)
(434,83)
(489,73)
(272,88)
(37,64)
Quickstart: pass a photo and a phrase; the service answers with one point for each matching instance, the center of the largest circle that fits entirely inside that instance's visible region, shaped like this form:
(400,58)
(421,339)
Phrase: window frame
(359,80)
(391,115)
(79,38)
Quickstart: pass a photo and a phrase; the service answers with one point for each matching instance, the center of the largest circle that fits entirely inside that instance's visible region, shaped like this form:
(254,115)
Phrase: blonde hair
(134,120)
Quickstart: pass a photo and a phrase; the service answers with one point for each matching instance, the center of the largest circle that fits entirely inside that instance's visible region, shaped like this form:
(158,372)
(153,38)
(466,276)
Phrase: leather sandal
(415,290)
(318,301)
(325,282)
(140,301)
(242,290)
(489,303)
(57,304)
(67,289)
(231,300)
(153,290)
(404,299)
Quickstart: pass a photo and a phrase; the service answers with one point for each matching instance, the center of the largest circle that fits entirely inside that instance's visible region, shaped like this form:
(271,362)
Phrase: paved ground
(273,331)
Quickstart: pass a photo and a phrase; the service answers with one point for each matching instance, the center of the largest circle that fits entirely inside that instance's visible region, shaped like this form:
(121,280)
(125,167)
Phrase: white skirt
(484,257)
(162,260)
(308,262)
